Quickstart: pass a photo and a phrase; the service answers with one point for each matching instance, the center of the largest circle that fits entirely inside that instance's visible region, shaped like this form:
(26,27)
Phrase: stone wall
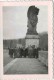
(43,57)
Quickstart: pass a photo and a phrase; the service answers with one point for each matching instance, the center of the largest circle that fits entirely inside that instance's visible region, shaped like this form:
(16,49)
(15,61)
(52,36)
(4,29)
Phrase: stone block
(32,40)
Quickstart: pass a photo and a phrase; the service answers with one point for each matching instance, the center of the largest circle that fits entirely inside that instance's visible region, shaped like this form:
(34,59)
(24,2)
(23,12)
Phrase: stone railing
(43,57)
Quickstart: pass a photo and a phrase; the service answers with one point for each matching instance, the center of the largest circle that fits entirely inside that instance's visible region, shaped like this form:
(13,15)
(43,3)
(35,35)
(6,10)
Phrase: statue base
(31,40)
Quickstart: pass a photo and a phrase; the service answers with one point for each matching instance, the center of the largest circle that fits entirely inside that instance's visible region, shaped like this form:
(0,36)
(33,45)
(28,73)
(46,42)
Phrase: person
(30,51)
(15,52)
(37,52)
(26,52)
(18,52)
(11,52)
(21,52)
(34,52)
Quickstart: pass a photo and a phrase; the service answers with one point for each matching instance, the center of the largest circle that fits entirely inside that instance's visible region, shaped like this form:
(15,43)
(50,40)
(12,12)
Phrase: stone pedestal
(31,40)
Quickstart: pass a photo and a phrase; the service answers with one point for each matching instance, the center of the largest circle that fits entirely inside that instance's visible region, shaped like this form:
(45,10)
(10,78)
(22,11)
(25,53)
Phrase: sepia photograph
(25,39)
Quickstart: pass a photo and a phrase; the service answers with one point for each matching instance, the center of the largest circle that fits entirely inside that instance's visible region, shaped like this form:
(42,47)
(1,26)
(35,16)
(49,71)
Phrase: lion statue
(32,19)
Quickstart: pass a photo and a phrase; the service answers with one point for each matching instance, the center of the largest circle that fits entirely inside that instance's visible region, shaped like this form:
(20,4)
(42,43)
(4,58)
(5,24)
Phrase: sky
(15,21)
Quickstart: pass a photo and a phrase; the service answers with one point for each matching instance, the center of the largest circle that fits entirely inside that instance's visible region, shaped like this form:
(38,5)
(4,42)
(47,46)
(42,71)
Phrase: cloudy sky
(15,21)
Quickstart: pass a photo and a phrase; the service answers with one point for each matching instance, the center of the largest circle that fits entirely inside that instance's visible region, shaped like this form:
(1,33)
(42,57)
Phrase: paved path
(26,66)
(6,57)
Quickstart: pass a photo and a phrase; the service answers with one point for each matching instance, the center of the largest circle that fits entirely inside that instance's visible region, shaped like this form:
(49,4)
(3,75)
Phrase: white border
(27,77)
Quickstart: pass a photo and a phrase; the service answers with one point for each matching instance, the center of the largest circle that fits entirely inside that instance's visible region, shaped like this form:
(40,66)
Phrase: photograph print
(25,39)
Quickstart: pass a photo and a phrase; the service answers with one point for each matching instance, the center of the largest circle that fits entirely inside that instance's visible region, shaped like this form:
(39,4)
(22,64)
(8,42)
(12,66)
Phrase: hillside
(12,43)
(43,40)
